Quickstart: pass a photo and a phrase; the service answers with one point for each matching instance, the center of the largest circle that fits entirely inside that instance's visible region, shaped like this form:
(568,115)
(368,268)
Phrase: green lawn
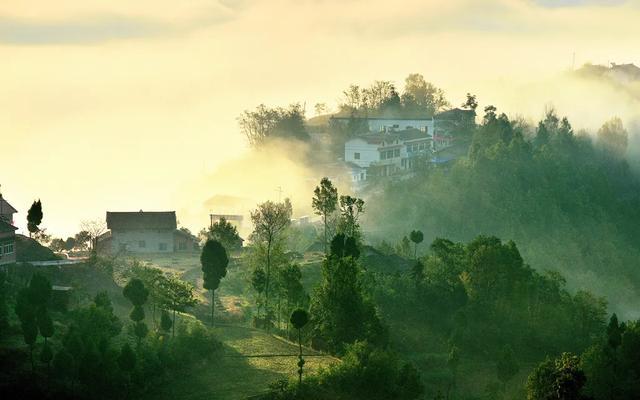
(235,377)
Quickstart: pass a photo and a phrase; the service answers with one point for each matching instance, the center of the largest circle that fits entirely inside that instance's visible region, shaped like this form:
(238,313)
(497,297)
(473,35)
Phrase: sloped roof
(5,207)
(141,220)
(6,227)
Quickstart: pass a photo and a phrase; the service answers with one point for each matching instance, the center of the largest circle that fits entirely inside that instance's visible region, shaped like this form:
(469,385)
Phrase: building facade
(7,233)
(145,232)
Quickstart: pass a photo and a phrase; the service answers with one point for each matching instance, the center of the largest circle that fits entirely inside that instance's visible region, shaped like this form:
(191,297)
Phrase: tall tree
(416,237)
(34,217)
(137,294)
(265,123)
(351,208)
(214,262)
(423,97)
(226,233)
(507,366)
(613,137)
(270,221)
(299,319)
(324,203)
(178,295)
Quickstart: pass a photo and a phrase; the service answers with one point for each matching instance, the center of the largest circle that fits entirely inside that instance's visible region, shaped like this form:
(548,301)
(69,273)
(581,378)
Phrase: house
(385,154)
(145,232)
(378,124)
(7,233)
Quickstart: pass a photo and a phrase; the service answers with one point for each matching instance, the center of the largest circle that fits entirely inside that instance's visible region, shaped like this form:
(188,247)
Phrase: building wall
(384,125)
(7,248)
(143,241)
(360,152)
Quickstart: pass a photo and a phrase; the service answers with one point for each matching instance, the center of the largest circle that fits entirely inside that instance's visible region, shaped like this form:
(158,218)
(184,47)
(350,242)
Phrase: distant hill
(28,249)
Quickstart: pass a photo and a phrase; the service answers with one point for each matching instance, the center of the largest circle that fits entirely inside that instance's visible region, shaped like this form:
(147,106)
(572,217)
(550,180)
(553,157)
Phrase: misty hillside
(570,204)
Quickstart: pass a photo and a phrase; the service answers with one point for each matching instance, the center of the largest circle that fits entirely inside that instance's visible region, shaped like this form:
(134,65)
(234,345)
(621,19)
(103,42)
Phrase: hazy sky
(123,105)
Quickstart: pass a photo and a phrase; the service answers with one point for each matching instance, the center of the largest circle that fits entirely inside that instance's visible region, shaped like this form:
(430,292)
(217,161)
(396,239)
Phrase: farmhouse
(391,153)
(7,233)
(145,232)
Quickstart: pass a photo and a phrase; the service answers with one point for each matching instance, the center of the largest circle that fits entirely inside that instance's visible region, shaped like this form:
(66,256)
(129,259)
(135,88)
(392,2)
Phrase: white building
(377,124)
(390,153)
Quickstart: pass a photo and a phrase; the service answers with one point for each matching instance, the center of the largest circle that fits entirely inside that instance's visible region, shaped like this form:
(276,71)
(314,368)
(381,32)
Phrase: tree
(258,282)
(34,217)
(416,237)
(471,103)
(127,358)
(291,287)
(69,244)
(350,210)
(321,108)
(507,366)
(226,233)
(270,220)
(613,138)
(82,239)
(339,311)
(421,97)
(299,319)
(31,309)
(560,379)
(165,322)
(178,295)
(57,245)
(137,294)
(614,332)
(324,203)
(265,123)
(214,262)
(92,230)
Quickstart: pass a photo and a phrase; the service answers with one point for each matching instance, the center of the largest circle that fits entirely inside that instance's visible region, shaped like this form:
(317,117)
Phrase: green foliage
(127,358)
(351,209)
(46,354)
(34,217)
(214,262)
(560,379)
(136,292)
(137,314)
(299,318)
(612,366)
(568,205)
(482,296)
(141,330)
(365,373)
(265,124)
(507,365)
(344,246)
(324,203)
(340,313)
(226,233)
(165,322)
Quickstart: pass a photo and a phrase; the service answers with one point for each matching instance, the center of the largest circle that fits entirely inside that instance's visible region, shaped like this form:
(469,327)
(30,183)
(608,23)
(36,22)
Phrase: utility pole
(279,190)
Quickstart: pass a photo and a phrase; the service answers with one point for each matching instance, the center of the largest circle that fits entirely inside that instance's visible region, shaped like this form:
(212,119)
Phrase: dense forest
(570,202)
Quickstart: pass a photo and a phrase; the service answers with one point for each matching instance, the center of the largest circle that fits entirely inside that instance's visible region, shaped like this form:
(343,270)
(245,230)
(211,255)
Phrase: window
(142,244)
(396,153)
(421,146)
(8,248)
(389,153)
(356,156)
(361,176)
(162,246)
(182,246)
(383,155)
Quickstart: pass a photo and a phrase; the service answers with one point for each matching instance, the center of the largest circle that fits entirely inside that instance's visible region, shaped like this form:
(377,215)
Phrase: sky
(125,105)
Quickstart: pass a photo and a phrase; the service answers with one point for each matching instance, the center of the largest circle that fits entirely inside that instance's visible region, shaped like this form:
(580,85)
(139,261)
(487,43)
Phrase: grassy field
(235,376)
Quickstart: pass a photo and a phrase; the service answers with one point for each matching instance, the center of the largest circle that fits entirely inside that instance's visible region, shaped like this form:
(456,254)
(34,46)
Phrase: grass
(236,377)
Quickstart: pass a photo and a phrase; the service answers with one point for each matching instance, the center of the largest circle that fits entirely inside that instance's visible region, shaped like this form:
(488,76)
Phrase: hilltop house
(7,233)
(391,153)
(377,124)
(145,232)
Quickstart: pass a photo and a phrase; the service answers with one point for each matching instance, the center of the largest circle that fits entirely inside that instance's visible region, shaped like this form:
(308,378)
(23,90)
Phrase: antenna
(279,190)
